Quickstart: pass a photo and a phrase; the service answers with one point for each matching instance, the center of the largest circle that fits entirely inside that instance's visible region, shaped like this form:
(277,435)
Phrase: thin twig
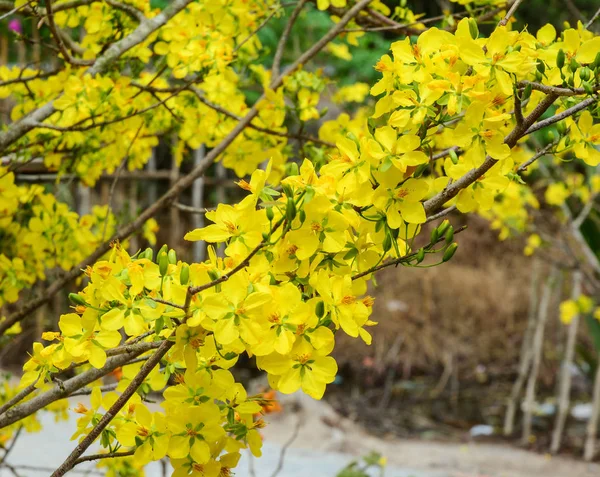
(283,41)
(441,214)
(193,210)
(510,13)
(593,19)
(406,258)
(287,444)
(114,455)
(536,156)
(259,28)
(15,10)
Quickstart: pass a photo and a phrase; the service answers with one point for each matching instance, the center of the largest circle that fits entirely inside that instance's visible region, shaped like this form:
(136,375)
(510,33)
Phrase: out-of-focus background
(446,351)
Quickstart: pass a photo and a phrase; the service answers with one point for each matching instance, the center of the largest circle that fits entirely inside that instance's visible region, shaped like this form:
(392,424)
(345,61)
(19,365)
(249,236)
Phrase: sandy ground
(323,430)
(323,443)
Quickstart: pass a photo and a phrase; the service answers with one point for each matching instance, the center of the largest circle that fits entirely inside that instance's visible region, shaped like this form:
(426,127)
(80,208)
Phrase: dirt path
(322,430)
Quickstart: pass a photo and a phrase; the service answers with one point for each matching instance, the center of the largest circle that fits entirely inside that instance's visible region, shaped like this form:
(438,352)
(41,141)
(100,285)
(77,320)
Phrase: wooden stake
(564,398)
(525,355)
(537,351)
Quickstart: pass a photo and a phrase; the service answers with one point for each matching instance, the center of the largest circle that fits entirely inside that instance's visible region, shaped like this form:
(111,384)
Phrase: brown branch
(510,13)
(283,41)
(536,156)
(259,28)
(553,89)
(92,457)
(560,116)
(511,139)
(21,79)
(136,382)
(272,132)
(58,39)
(405,259)
(65,388)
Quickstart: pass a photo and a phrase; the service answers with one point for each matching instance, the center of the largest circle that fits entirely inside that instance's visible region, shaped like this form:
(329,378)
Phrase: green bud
(435,235)
(541,66)
(149,253)
(287,190)
(77,299)
(560,59)
(290,211)
(453,156)
(561,127)
(265,237)
(420,169)
(172,255)
(387,242)
(473,28)
(293,169)
(585,73)
(163,263)
(184,276)
(320,309)
(213,275)
(573,65)
(302,216)
(450,251)
(420,255)
(270,213)
(449,234)
(443,227)
(588,88)
(596,62)
(164,248)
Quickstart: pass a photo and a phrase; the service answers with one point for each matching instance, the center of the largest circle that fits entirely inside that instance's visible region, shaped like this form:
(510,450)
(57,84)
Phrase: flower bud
(449,234)
(588,88)
(302,216)
(163,263)
(560,59)
(270,213)
(450,251)
(320,309)
(172,255)
(290,211)
(585,73)
(443,227)
(435,235)
(473,28)
(77,299)
(573,65)
(453,156)
(420,255)
(164,248)
(293,169)
(541,66)
(387,242)
(184,275)
(149,254)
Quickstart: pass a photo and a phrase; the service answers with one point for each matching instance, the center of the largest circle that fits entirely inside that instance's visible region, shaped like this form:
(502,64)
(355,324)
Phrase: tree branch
(70,385)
